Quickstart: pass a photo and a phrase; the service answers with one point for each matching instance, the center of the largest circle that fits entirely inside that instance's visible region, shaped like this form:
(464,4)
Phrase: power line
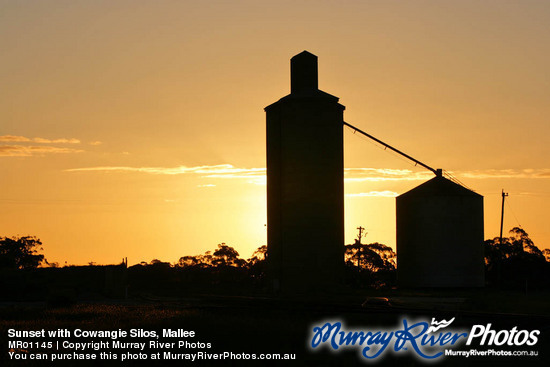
(514,214)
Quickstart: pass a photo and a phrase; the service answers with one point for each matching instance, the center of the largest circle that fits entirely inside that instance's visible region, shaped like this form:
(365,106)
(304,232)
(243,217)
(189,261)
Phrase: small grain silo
(440,236)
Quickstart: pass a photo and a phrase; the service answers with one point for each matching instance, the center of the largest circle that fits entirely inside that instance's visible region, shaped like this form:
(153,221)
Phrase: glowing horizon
(136,129)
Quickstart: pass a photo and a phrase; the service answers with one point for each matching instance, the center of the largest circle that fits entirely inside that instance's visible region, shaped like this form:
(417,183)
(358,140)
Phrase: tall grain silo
(305,184)
(440,236)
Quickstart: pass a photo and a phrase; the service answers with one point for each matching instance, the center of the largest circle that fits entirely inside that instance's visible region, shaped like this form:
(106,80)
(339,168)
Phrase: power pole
(358,243)
(504,194)
(360,235)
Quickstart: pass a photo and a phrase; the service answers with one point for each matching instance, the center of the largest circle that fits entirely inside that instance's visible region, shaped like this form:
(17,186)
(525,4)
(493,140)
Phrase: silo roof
(439,186)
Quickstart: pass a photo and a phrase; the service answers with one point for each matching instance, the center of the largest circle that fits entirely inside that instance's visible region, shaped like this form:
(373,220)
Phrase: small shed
(440,236)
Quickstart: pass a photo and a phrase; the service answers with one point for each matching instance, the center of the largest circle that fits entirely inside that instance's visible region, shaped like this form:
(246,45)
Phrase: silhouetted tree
(200,261)
(20,252)
(205,260)
(515,246)
(516,261)
(521,240)
(188,261)
(257,265)
(373,257)
(371,265)
(258,256)
(156,263)
(226,256)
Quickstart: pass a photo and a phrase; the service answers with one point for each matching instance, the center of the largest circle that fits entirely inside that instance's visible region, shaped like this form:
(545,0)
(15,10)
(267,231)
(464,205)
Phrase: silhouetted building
(305,184)
(440,236)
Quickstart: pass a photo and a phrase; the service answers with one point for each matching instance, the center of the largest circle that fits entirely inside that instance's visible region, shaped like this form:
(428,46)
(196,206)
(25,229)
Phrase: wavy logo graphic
(439,325)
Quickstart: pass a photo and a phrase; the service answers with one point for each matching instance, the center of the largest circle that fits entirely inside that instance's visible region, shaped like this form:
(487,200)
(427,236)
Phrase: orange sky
(136,128)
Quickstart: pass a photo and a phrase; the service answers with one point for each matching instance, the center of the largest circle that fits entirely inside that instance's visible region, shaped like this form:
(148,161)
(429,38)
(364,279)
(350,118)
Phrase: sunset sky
(136,128)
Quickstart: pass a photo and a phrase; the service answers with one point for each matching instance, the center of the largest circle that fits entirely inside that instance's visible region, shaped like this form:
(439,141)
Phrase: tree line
(516,262)
(510,264)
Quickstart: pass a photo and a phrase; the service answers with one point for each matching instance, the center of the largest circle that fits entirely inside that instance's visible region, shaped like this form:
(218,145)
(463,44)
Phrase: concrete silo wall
(305,185)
